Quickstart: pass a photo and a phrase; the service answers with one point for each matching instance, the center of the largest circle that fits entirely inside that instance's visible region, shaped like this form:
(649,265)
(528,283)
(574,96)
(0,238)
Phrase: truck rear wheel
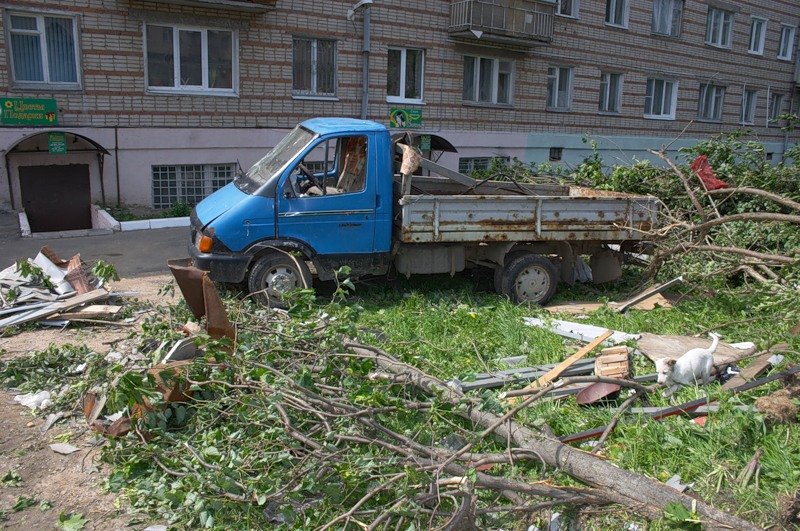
(529,278)
(276,274)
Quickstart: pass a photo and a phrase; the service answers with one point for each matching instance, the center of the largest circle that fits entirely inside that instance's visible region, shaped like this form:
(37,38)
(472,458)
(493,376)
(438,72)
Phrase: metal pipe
(365,49)
(10,185)
(116,161)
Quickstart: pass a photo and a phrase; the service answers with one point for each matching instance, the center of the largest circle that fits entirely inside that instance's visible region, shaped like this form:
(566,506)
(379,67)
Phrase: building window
(610,92)
(556,154)
(758,35)
(775,106)
(194,60)
(44,50)
(404,81)
(661,99)
(567,8)
(709,106)
(748,107)
(786,45)
(617,13)
(667,17)
(718,27)
(313,67)
(559,88)
(487,80)
(467,165)
(188,183)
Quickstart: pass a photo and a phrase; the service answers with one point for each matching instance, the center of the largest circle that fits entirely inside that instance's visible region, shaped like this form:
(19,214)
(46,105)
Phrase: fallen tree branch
(781,200)
(638,493)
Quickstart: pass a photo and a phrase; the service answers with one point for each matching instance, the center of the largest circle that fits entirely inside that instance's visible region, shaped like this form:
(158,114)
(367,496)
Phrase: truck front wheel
(529,278)
(276,274)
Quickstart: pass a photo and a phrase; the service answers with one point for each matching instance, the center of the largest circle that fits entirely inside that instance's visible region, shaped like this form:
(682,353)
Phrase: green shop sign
(28,111)
(57,143)
(405,118)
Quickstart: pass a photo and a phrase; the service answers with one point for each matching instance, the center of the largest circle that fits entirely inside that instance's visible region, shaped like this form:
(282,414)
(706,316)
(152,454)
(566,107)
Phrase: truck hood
(218,203)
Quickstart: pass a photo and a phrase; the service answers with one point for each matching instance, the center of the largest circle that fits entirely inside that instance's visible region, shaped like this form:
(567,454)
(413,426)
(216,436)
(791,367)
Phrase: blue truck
(331,194)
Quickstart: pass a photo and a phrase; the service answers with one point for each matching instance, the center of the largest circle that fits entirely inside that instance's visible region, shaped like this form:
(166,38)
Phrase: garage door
(56,197)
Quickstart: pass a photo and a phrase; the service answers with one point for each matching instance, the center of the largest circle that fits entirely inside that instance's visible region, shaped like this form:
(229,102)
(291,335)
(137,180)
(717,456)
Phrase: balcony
(514,23)
(245,6)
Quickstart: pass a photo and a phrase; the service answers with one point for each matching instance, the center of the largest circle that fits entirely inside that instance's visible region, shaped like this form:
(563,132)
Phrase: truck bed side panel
(463,219)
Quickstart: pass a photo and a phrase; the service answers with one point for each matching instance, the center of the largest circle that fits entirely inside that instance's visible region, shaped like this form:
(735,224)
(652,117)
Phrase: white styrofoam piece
(579,331)
(55,273)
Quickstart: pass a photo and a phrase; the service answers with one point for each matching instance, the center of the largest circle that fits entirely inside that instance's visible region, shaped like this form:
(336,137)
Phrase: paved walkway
(134,253)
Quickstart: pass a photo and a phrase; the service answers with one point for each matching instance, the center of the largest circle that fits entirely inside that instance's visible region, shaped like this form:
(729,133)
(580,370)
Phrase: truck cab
(323,195)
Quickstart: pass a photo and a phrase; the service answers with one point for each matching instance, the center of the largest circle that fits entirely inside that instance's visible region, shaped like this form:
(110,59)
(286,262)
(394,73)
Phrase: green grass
(449,328)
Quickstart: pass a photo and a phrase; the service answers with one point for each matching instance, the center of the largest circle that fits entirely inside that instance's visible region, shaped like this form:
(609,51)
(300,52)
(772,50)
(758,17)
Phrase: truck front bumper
(221,267)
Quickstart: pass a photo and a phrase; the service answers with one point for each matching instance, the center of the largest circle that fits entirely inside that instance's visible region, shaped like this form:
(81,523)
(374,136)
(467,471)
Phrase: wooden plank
(68,304)
(656,347)
(561,367)
(645,295)
(93,311)
(753,370)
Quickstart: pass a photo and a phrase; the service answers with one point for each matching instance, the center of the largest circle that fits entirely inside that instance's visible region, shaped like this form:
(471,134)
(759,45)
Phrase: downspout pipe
(366,5)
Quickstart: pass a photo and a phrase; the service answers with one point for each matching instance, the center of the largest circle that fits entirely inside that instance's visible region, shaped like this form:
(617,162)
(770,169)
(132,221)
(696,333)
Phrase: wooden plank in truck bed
(583,215)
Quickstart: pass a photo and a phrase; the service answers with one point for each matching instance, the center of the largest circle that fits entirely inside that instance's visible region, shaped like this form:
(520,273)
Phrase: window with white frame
(610,92)
(786,43)
(749,98)
(758,35)
(660,99)
(617,13)
(467,165)
(559,88)
(718,27)
(488,80)
(405,76)
(775,106)
(567,8)
(313,67)
(667,16)
(189,59)
(189,183)
(44,50)
(709,105)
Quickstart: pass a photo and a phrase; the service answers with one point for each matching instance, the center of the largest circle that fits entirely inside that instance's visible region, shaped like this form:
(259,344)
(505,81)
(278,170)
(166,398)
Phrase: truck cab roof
(325,126)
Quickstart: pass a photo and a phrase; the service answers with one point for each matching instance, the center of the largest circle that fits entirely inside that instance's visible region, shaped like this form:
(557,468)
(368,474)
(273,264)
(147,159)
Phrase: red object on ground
(705,172)
(700,421)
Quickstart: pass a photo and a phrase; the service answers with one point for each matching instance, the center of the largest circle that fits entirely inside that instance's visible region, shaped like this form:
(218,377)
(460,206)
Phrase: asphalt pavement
(133,253)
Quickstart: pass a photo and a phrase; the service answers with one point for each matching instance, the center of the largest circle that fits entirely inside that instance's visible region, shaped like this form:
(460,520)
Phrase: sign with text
(405,118)
(57,143)
(28,111)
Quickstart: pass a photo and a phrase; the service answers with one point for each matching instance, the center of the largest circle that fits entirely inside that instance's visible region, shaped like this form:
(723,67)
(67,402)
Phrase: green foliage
(71,521)
(11,479)
(35,273)
(22,503)
(104,271)
(679,517)
(178,210)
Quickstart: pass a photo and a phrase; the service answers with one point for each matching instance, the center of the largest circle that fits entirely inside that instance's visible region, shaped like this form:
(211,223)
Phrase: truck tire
(529,278)
(276,274)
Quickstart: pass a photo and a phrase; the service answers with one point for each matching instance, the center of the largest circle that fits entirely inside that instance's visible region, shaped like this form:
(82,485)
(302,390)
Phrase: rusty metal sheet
(596,392)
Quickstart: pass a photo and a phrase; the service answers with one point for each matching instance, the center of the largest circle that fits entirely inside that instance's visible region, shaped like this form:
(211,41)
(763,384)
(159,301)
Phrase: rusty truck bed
(438,212)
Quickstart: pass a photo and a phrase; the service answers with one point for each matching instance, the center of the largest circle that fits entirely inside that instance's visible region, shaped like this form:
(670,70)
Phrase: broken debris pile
(39,288)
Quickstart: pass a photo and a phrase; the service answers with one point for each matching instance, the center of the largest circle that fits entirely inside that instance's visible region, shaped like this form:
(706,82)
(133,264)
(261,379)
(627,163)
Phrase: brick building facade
(160,100)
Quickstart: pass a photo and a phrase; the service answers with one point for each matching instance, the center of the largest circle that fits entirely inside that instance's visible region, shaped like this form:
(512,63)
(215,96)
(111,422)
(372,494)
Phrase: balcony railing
(484,20)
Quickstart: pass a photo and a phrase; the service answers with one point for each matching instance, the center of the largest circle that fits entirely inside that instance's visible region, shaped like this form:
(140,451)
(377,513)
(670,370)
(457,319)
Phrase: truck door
(328,199)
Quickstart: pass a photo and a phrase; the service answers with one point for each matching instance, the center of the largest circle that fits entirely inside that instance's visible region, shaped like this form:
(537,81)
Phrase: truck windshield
(268,168)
